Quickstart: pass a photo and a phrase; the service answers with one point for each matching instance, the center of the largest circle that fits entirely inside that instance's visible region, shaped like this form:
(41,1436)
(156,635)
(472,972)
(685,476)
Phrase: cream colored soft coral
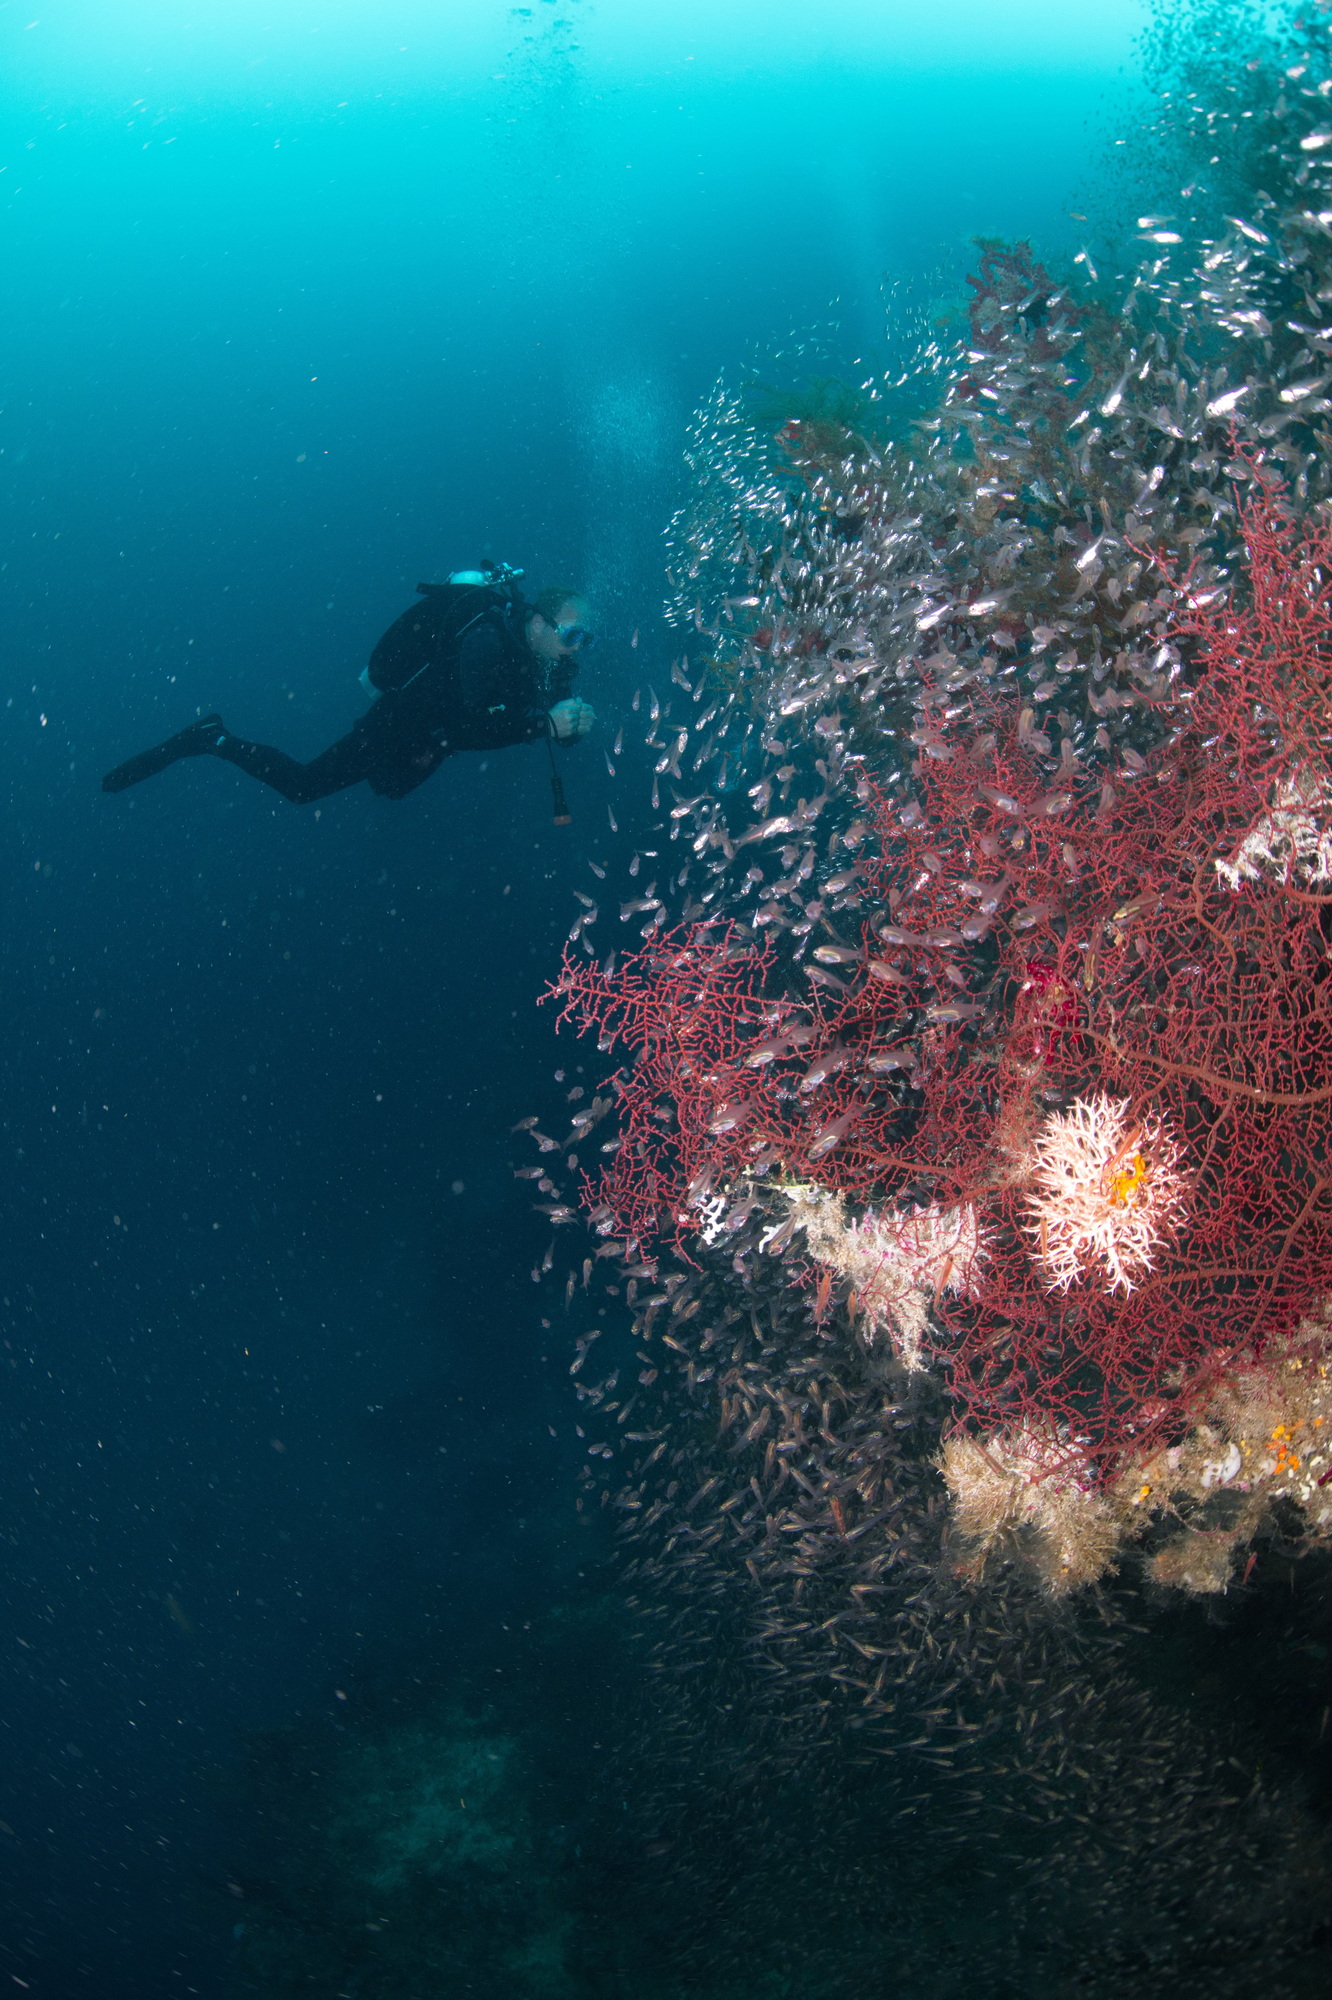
(1029,1479)
(898,1260)
(1105,1193)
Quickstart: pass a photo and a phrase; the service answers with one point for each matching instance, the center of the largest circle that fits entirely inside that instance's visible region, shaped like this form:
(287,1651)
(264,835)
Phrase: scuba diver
(472,667)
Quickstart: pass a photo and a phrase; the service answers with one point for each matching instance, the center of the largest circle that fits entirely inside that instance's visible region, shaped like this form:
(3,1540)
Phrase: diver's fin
(193,741)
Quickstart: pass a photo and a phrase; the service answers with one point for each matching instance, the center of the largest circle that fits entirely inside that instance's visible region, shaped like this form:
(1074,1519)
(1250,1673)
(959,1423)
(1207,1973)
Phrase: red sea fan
(687,1009)
(1196,948)
(726,1075)
(1092,1006)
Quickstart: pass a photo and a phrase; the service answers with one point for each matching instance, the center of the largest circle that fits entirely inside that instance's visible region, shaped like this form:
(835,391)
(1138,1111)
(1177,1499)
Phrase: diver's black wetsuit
(481,693)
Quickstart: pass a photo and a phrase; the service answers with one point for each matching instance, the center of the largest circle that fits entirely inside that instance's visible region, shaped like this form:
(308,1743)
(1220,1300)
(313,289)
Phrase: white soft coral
(898,1261)
(1105,1193)
(1291,839)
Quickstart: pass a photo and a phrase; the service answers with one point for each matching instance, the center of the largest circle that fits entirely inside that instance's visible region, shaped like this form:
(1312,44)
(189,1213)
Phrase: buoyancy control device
(429,633)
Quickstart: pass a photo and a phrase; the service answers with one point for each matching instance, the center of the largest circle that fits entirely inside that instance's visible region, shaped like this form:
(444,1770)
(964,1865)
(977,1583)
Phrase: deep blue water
(297,307)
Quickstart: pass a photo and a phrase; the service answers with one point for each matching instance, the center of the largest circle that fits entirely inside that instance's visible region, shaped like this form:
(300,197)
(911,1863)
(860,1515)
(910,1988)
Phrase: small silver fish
(830,1136)
(766,1052)
(823,1067)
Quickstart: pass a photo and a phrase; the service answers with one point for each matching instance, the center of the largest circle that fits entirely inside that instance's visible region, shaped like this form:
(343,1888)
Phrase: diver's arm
(481,675)
(497,693)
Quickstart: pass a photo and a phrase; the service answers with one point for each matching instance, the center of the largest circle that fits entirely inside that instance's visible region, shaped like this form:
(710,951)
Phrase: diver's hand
(571,721)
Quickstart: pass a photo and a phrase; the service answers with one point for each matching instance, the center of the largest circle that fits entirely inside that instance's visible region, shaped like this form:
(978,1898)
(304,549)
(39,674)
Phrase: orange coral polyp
(1126,1184)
